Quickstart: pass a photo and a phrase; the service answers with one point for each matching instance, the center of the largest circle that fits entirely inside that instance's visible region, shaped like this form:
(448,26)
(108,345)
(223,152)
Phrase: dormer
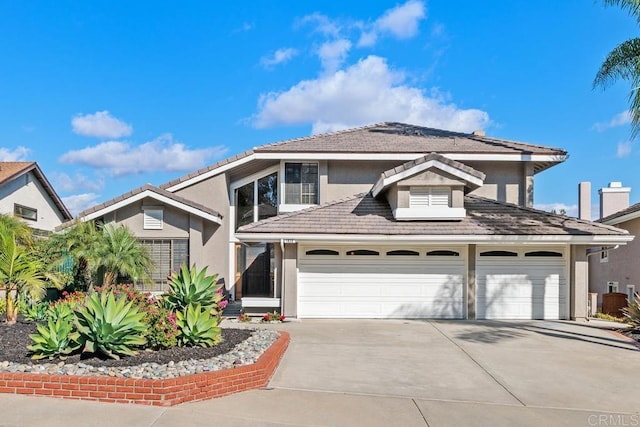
(431,187)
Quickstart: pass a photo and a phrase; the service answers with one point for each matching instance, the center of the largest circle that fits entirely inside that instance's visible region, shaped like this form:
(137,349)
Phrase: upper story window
(25,212)
(604,256)
(257,200)
(301,183)
(428,197)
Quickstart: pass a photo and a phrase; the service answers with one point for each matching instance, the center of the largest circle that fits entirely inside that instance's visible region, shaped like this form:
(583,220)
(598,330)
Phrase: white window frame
(612,287)
(631,292)
(152,217)
(604,256)
(253,178)
(284,205)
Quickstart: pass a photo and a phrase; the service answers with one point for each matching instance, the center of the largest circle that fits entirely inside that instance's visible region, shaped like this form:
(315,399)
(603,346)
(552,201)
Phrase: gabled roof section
(12,170)
(473,177)
(363,216)
(382,141)
(632,212)
(155,193)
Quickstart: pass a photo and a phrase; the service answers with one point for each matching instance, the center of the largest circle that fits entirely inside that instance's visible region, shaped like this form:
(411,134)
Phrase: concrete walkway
(405,373)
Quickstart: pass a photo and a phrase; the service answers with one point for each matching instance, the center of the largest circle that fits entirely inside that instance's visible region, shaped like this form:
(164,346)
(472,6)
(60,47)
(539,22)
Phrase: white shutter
(153,218)
(439,197)
(419,197)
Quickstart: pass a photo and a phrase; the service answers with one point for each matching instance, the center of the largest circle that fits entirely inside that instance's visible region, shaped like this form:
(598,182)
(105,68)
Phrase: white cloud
(280,56)
(571,210)
(100,125)
(333,54)
(620,119)
(162,154)
(401,22)
(624,149)
(79,202)
(366,92)
(322,24)
(16,155)
(77,182)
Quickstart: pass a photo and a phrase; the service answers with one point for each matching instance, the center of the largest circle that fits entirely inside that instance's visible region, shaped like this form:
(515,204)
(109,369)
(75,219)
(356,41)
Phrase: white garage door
(521,284)
(373,282)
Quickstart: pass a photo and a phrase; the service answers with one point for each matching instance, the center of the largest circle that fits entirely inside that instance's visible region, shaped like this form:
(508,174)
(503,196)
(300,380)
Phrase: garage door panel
(521,288)
(381,287)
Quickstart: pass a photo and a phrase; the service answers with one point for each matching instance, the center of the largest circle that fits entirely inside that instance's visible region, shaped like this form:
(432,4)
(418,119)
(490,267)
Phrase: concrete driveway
(388,372)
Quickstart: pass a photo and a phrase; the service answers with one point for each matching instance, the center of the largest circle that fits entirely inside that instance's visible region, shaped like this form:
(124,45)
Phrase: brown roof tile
(9,170)
(363,214)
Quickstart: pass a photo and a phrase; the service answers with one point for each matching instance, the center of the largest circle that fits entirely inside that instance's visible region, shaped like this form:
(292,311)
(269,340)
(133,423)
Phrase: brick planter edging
(165,392)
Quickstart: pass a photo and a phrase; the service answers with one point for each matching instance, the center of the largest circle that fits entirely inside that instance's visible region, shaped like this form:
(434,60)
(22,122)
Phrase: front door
(257,277)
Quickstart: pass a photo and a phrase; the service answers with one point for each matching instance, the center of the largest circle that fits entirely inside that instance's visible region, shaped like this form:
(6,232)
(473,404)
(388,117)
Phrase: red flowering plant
(273,317)
(244,318)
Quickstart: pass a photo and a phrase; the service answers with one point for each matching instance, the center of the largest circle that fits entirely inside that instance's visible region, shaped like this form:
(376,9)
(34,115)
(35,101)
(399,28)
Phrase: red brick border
(167,392)
(626,338)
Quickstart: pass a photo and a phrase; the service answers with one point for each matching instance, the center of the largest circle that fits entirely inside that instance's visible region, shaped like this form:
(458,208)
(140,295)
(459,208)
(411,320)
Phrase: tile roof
(363,214)
(154,189)
(624,212)
(12,170)
(433,156)
(391,137)
(388,137)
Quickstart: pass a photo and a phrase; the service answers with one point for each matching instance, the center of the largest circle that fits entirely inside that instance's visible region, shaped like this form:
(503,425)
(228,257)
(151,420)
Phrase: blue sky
(109,95)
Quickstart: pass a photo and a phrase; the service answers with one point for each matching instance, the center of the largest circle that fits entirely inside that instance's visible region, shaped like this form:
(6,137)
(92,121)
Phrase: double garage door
(429,282)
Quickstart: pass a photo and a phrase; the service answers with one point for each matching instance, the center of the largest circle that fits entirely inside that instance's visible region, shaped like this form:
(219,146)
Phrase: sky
(110,95)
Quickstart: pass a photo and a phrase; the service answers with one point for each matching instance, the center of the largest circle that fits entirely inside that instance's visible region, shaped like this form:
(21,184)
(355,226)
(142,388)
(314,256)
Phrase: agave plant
(190,286)
(56,339)
(110,325)
(198,327)
(632,313)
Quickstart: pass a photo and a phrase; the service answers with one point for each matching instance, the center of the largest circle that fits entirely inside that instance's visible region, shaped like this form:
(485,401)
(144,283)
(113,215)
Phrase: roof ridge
(546,213)
(622,212)
(318,135)
(309,209)
(511,141)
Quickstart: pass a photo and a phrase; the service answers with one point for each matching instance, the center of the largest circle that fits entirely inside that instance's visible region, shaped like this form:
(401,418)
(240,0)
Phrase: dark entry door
(256,278)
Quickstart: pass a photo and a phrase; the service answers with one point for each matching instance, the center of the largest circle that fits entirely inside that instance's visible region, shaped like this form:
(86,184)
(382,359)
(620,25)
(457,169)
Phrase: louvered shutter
(153,219)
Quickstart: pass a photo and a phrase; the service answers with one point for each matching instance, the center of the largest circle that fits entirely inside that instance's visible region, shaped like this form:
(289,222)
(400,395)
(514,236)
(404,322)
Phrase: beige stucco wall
(26,190)
(346,178)
(623,265)
(510,182)
(290,283)
(213,249)
(175,221)
(578,282)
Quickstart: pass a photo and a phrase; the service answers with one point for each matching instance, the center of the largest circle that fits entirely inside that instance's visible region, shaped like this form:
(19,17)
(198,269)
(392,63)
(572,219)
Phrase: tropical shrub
(632,313)
(3,306)
(198,327)
(55,339)
(192,286)
(162,329)
(35,311)
(110,325)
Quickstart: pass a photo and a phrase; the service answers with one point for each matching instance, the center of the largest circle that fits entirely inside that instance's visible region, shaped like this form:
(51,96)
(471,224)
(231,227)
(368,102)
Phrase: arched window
(322,252)
(402,252)
(362,252)
(499,253)
(544,254)
(443,253)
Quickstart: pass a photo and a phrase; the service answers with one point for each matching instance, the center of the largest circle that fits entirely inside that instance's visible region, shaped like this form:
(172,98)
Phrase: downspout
(282,275)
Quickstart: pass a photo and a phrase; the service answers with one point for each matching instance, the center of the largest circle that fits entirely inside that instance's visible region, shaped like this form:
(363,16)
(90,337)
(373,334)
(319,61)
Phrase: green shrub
(162,329)
(609,317)
(35,311)
(198,327)
(55,339)
(632,313)
(3,306)
(190,286)
(110,325)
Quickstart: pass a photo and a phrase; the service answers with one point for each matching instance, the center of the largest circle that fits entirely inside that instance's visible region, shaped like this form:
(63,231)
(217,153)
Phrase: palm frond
(630,6)
(623,62)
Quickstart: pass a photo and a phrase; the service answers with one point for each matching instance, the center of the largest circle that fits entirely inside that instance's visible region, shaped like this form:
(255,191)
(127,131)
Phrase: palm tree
(121,254)
(21,273)
(12,224)
(80,242)
(623,62)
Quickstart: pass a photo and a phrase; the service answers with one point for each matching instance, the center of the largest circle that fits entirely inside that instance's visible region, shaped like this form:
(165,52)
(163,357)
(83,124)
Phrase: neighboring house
(616,269)
(27,194)
(387,220)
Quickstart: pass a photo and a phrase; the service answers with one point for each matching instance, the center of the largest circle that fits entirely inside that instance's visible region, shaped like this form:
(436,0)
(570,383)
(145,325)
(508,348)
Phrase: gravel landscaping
(239,347)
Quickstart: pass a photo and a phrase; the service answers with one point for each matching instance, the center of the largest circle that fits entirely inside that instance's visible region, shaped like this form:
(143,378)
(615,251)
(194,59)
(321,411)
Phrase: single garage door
(521,284)
(373,282)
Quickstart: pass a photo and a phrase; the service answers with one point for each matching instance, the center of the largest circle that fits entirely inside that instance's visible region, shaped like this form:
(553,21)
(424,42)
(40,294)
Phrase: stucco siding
(346,178)
(175,222)
(505,182)
(622,265)
(26,190)
(212,249)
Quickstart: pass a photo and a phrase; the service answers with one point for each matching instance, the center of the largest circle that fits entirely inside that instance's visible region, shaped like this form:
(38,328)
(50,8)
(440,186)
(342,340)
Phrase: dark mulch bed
(14,340)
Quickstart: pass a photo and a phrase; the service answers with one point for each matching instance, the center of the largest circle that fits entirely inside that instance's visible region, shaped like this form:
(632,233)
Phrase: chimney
(584,200)
(613,198)
(478,132)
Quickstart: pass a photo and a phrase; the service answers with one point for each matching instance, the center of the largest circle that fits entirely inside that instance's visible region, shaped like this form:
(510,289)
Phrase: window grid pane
(168,256)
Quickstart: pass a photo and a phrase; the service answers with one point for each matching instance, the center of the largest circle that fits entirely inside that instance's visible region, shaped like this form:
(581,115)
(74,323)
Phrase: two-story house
(385,221)
(26,193)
